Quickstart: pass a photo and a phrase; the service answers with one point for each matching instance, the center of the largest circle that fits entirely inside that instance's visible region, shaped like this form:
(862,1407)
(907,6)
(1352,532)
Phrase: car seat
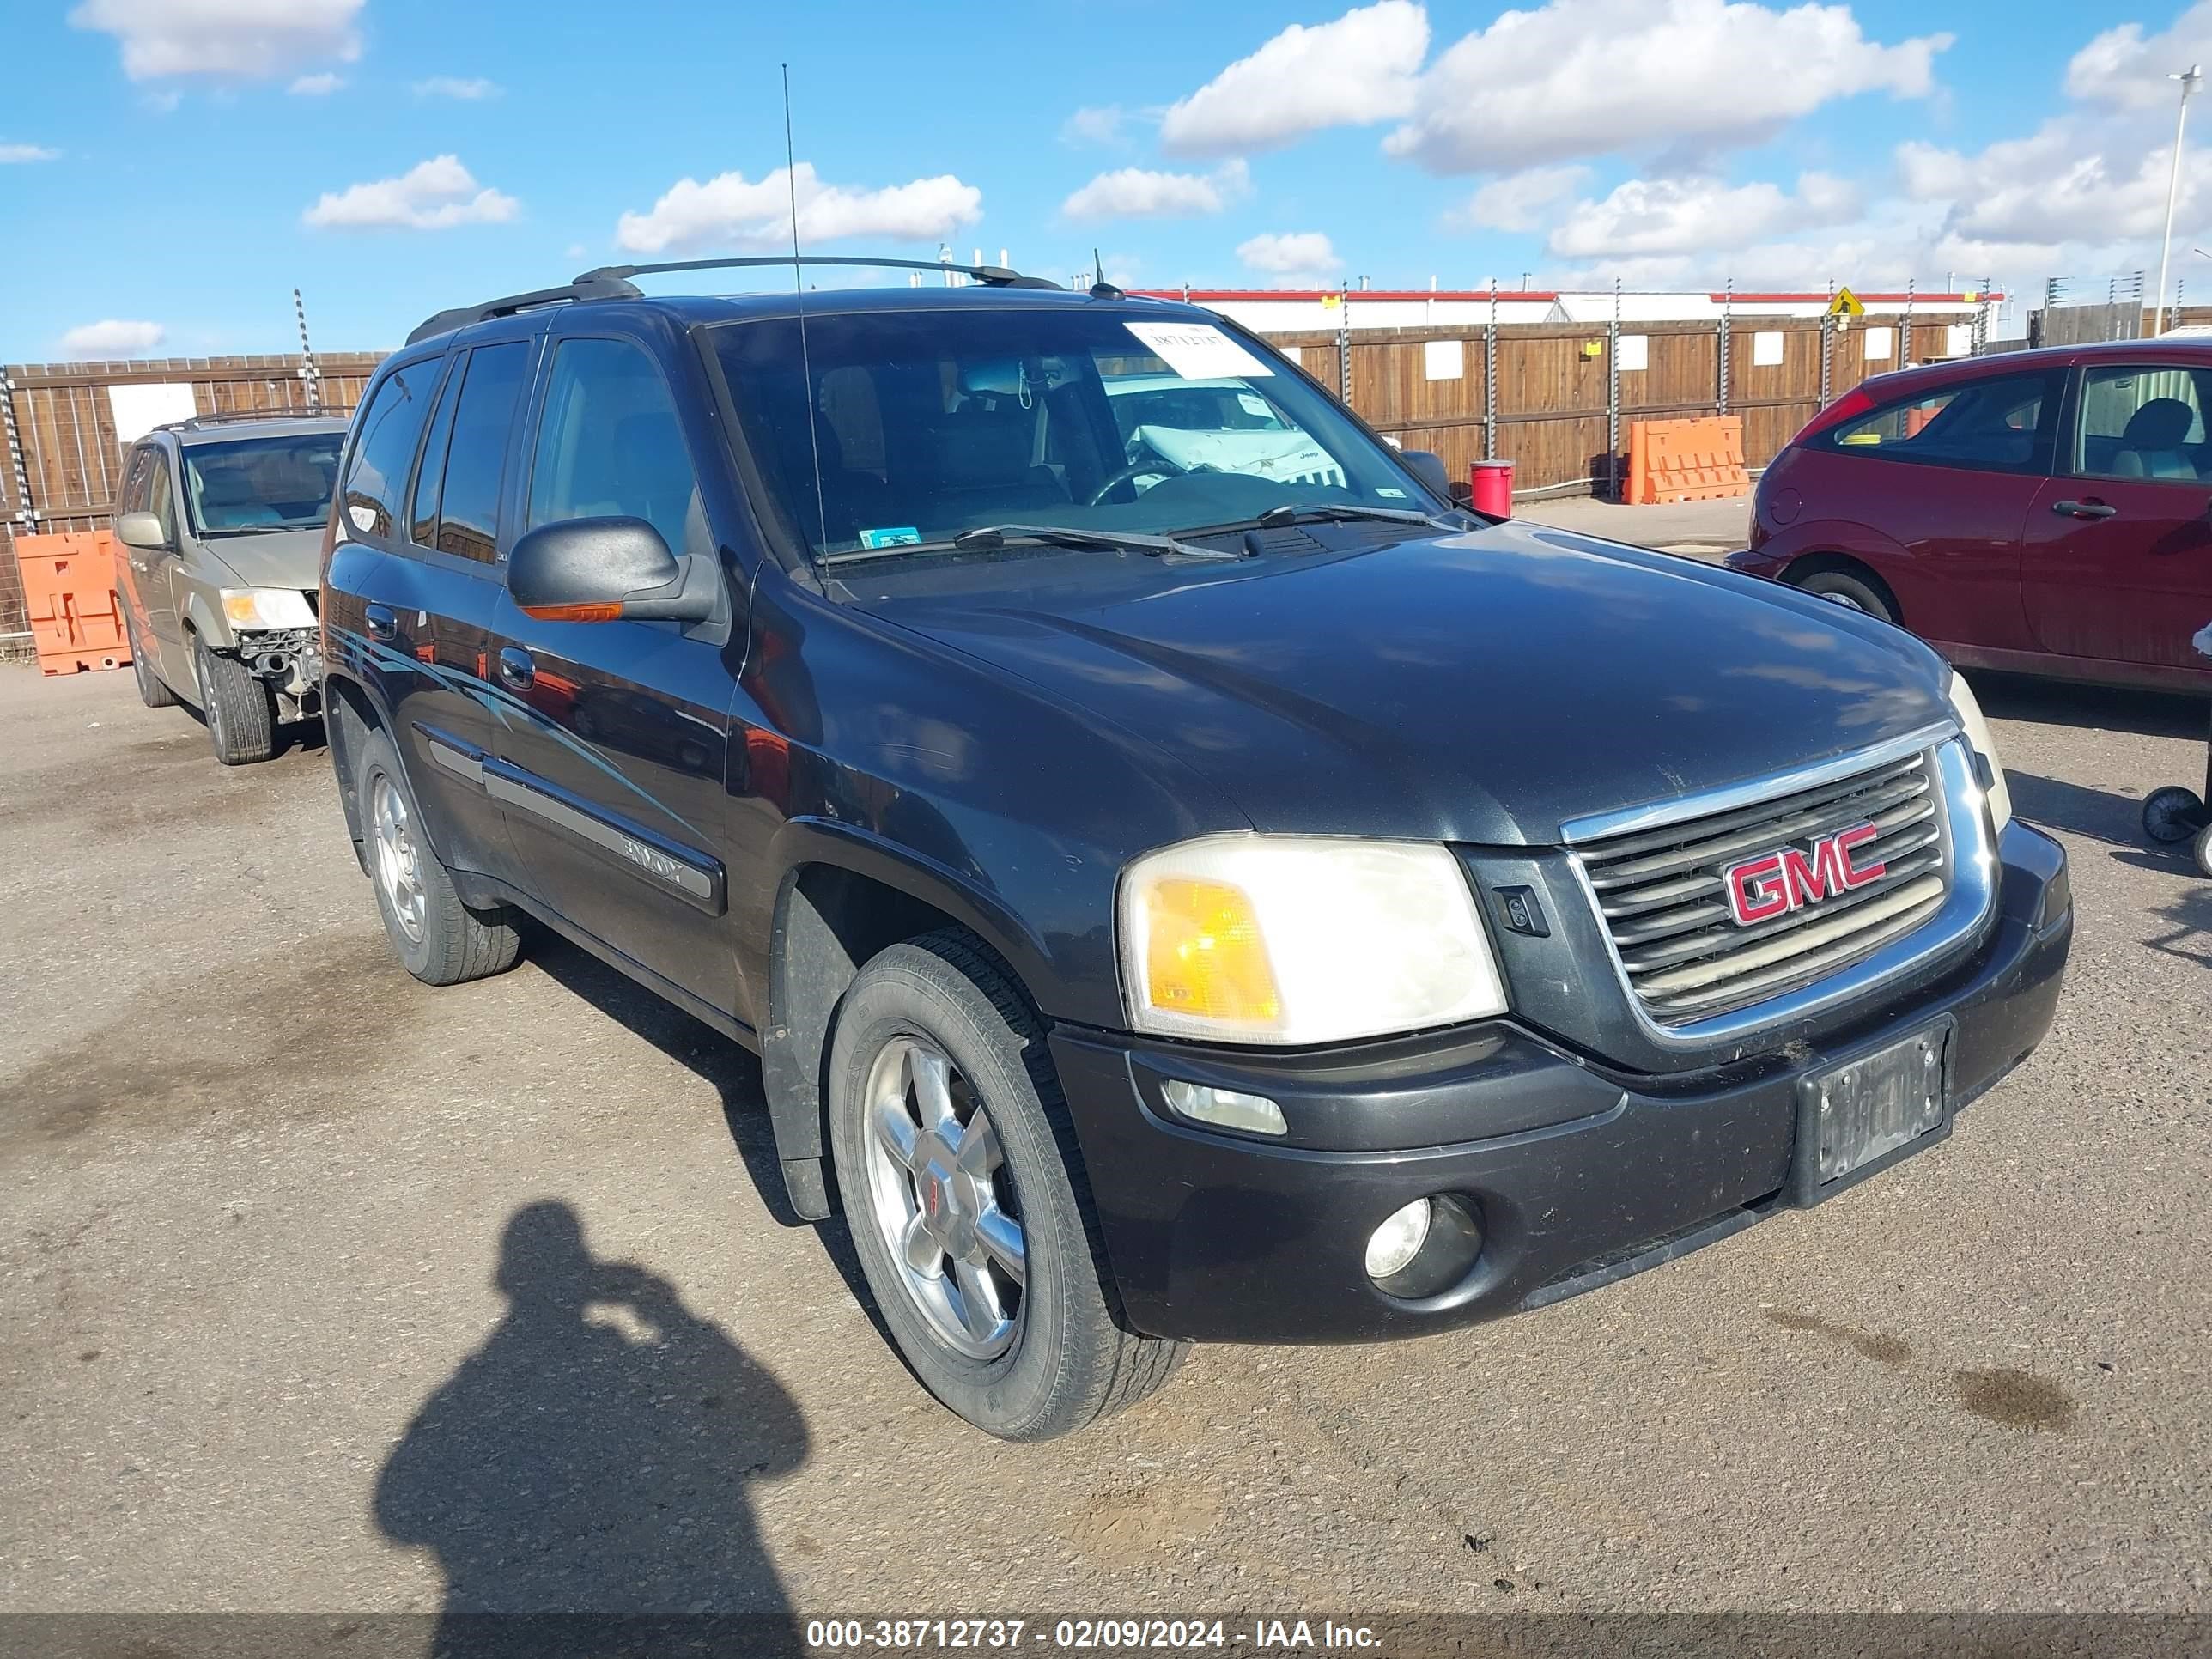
(227,501)
(2150,447)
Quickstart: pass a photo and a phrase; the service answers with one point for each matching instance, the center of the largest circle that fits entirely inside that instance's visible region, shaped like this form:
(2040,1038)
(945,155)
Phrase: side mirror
(140,529)
(601,569)
(1429,469)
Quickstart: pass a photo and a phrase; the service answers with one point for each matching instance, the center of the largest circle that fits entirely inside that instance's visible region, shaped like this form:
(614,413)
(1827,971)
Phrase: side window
(2142,421)
(610,445)
(1989,425)
(385,448)
(476,455)
(423,513)
(132,497)
(162,499)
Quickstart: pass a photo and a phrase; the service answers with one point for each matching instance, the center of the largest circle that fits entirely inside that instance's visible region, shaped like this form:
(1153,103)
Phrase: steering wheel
(1151,463)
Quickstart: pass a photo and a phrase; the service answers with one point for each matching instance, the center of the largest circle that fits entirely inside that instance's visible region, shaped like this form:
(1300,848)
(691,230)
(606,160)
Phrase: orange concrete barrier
(68,587)
(1693,460)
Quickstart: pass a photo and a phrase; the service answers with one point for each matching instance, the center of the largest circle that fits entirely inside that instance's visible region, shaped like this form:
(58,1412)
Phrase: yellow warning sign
(1330,301)
(1846,304)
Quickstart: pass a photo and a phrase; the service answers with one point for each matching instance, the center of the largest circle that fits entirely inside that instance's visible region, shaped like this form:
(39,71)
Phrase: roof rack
(613,282)
(224,416)
(989,275)
(590,286)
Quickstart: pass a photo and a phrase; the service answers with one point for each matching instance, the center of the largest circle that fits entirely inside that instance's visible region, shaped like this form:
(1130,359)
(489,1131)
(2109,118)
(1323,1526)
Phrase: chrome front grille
(1661,893)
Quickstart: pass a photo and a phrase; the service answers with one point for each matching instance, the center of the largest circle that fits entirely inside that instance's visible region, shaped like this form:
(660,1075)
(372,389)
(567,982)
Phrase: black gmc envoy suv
(1184,878)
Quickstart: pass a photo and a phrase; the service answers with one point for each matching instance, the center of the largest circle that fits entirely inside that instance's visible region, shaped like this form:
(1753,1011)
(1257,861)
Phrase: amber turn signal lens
(574,612)
(1205,955)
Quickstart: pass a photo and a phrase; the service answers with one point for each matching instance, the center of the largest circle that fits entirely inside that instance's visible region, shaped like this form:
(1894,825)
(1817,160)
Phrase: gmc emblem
(1775,884)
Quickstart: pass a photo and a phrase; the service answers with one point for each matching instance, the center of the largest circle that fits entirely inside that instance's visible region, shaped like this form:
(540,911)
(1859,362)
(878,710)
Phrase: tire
(240,712)
(1062,1360)
(440,940)
(2172,815)
(1841,588)
(153,690)
(2202,850)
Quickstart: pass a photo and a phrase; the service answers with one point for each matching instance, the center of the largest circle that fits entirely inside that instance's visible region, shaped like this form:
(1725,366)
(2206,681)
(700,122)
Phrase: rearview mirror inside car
(603,569)
(1429,469)
(140,529)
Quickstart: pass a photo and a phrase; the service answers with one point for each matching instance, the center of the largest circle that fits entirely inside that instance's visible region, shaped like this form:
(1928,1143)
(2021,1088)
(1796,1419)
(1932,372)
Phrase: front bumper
(1581,1175)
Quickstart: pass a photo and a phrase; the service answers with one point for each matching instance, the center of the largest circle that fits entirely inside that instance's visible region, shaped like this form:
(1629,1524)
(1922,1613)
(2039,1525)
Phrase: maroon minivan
(2044,512)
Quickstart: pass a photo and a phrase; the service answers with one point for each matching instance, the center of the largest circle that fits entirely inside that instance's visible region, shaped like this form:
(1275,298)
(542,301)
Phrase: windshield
(931,422)
(262,483)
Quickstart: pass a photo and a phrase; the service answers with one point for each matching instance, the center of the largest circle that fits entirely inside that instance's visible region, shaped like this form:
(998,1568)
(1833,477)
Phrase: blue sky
(169,170)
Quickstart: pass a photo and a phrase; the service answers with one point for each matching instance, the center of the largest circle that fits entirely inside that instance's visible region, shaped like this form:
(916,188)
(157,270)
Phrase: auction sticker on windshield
(1197,351)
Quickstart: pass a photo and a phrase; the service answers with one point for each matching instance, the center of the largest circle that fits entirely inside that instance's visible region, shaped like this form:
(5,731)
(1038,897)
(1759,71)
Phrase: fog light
(1393,1245)
(1204,1103)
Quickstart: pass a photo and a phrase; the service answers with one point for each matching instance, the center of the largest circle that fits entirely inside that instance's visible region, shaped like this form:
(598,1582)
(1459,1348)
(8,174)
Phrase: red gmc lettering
(1775,884)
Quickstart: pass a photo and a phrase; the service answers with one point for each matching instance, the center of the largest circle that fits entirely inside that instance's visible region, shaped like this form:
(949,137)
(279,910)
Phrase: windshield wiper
(256,529)
(1321,511)
(984,537)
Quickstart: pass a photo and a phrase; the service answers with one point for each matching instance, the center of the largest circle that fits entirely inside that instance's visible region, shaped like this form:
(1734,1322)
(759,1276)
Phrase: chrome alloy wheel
(943,1201)
(1846,601)
(398,858)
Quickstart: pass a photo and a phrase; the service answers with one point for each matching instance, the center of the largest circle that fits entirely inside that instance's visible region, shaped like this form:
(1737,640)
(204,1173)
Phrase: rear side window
(423,514)
(610,445)
(1989,425)
(390,428)
(2142,420)
(476,454)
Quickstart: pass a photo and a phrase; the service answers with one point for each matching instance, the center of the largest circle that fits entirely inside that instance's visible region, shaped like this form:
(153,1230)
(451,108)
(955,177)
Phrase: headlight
(1277,939)
(1977,737)
(266,607)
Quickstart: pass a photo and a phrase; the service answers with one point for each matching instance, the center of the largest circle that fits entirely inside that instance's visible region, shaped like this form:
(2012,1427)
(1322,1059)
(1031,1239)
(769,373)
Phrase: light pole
(2190,79)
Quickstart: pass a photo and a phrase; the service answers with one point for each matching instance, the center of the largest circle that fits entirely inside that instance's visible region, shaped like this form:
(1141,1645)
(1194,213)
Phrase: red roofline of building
(1545,295)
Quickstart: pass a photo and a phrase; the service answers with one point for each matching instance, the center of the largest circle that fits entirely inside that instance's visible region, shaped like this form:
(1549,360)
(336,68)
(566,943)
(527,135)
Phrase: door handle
(516,670)
(2084,510)
(380,622)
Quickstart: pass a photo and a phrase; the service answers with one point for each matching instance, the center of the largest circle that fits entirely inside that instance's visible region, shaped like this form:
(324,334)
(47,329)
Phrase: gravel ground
(322,1291)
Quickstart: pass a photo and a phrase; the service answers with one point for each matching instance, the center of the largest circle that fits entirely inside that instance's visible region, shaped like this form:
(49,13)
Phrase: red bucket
(1490,488)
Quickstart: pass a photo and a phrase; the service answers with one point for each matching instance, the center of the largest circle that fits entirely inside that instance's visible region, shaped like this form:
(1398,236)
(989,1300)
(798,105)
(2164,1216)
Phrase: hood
(1482,688)
(280,558)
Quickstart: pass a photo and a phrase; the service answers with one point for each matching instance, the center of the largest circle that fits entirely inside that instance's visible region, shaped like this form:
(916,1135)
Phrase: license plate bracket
(1858,1116)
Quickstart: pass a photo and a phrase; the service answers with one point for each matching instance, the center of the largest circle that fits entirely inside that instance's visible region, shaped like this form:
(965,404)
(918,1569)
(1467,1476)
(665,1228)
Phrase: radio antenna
(799,288)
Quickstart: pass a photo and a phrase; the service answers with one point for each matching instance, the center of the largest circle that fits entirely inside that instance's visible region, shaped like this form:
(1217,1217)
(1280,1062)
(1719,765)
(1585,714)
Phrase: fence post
(1727,308)
(25,514)
(1344,345)
(309,374)
(1904,345)
(1489,379)
(1827,344)
(1612,396)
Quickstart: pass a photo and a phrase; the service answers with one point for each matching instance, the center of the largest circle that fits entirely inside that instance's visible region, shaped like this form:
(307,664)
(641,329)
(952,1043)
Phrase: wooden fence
(1544,395)
(64,462)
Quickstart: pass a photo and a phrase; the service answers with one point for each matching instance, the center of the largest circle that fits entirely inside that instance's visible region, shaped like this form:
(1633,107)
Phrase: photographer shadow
(595,1457)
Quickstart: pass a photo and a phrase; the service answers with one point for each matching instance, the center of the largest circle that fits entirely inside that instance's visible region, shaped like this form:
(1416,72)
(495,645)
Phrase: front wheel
(240,712)
(964,1194)
(441,940)
(2204,850)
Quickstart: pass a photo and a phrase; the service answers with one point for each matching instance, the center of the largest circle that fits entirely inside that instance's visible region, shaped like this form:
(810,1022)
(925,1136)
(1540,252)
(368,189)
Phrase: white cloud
(225,39)
(2124,66)
(11,152)
(731,209)
(1098,125)
(1299,253)
(1139,193)
(453,86)
(1351,72)
(433,194)
(112,337)
(1584,77)
(2065,182)
(1518,201)
(1648,216)
(316,85)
